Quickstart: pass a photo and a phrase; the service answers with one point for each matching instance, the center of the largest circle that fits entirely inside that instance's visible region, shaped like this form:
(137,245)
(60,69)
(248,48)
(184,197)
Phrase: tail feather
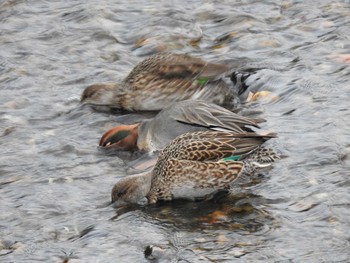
(239,80)
(263,156)
(258,160)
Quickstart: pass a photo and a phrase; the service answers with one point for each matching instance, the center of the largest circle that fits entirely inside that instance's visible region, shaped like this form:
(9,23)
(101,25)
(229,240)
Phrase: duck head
(122,137)
(132,189)
(100,94)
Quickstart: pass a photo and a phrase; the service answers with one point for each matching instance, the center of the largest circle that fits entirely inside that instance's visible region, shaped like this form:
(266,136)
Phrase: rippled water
(55,184)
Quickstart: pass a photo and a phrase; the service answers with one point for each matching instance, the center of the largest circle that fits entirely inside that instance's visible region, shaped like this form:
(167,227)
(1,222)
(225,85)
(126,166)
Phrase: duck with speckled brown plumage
(161,80)
(195,165)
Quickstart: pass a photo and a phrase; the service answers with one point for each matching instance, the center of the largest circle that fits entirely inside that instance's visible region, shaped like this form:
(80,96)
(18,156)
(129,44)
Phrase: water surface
(55,184)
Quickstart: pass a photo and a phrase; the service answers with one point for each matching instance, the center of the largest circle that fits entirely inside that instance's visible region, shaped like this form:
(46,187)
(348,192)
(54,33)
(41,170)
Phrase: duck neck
(144,181)
(134,136)
(109,97)
(142,141)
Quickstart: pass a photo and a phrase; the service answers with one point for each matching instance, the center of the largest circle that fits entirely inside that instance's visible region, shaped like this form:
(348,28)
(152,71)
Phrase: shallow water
(55,184)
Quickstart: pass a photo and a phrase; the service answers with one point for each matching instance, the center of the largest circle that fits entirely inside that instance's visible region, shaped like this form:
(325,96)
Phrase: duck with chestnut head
(185,116)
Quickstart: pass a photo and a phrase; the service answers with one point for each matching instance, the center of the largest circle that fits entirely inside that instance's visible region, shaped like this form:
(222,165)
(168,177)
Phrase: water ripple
(55,183)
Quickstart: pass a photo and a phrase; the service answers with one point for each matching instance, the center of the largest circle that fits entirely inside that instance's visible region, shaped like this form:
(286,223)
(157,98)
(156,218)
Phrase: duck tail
(239,80)
(259,160)
(263,156)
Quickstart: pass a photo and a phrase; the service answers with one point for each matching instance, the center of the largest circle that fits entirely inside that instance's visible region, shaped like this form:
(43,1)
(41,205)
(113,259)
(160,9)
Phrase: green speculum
(233,158)
(202,80)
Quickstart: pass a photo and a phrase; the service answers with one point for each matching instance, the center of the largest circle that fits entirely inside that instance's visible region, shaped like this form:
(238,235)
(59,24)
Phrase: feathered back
(209,146)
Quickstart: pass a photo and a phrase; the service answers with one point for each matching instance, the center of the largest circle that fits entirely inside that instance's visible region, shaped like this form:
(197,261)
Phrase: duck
(152,135)
(194,166)
(161,80)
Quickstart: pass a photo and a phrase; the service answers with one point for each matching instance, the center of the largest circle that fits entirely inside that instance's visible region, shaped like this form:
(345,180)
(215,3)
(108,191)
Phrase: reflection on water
(55,183)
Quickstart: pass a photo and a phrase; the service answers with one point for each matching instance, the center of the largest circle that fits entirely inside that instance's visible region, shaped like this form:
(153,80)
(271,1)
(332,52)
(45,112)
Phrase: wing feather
(211,116)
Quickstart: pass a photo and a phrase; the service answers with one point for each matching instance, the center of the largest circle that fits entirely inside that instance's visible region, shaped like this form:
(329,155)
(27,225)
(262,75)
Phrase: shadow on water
(223,212)
(221,224)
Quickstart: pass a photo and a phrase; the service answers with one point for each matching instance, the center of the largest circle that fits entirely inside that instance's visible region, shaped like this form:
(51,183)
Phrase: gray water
(55,183)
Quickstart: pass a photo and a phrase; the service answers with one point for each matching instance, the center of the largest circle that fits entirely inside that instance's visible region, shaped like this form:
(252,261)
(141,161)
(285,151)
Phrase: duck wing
(173,66)
(211,116)
(212,145)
